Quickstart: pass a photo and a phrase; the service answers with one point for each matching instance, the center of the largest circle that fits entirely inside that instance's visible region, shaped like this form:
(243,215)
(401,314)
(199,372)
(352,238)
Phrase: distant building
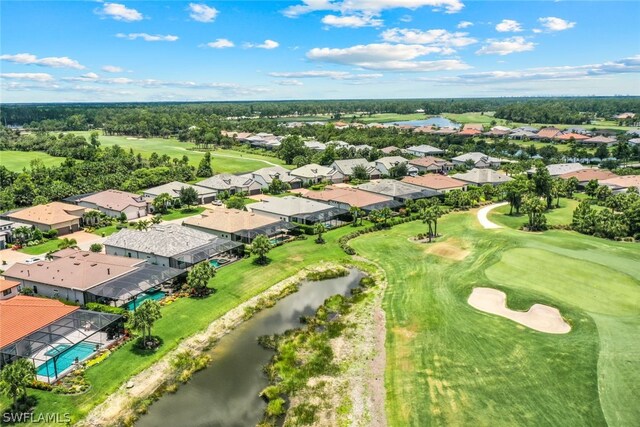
(114,203)
(385,165)
(347,197)
(265,176)
(436,182)
(424,150)
(205,195)
(314,173)
(345,168)
(431,164)
(231,184)
(63,217)
(400,191)
(480,177)
(479,160)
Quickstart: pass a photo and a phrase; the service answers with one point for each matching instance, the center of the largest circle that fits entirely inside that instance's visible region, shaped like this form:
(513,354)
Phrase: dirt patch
(453,249)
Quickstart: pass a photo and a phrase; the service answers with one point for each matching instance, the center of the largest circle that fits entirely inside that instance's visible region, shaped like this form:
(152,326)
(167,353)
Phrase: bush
(50,234)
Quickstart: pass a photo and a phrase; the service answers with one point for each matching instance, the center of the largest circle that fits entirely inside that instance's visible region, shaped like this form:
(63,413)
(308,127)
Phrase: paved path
(482,215)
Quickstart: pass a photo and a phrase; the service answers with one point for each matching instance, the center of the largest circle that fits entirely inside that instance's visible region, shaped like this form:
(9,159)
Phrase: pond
(433,121)
(227,392)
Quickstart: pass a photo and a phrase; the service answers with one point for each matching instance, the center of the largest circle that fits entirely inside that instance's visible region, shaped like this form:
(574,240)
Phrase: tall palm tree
(68,243)
(319,229)
(15,377)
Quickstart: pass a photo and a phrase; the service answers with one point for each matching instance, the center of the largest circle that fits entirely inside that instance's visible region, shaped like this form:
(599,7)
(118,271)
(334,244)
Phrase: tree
(622,151)
(428,217)
(68,243)
(277,186)
(591,187)
(534,207)
(261,247)
(156,219)
(359,172)
(570,186)
(143,318)
(584,220)
(557,186)
(204,168)
(123,217)
(189,196)
(602,152)
(142,225)
(543,185)
(95,247)
(198,279)
(356,214)
(162,202)
(15,378)
(291,147)
(399,170)
(319,229)
(515,190)
(91,218)
(602,193)
(235,202)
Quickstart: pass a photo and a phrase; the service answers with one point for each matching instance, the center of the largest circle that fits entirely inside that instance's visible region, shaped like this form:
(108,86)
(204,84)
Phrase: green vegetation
(17,160)
(173,214)
(42,248)
(449,364)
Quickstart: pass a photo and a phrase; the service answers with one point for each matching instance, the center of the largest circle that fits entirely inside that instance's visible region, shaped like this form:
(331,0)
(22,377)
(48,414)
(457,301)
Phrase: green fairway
(483,118)
(18,160)
(229,161)
(556,216)
(449,364)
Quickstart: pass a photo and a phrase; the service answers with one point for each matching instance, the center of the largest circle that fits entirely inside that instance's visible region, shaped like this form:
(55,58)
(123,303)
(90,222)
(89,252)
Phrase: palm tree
(319,229)
(199,277)
(162,202)
(356,214)
(385,214)
(144,317)
(68,243)
(429,217)
(261,247)
(23,234)
(142,225)
(91,218)
(156,219)
(15,377)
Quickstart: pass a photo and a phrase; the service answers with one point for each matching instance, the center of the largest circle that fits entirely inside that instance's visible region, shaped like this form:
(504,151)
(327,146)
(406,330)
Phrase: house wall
(45,290)
(10,293)
(151,258)
(270,214)
(63,227)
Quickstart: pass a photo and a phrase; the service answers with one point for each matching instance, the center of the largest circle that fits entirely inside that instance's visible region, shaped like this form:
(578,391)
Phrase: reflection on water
(227,392)
(441,122)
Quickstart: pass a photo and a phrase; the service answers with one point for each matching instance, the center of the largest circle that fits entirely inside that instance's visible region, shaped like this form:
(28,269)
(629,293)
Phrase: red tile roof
(568,136)
(23,315)
(588,174)
(434,181)
(7,284)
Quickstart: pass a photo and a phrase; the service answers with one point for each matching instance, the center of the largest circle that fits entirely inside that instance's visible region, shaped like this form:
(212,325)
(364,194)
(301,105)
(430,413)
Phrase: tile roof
(624,181)
(391,161)
(600,139)
(114,200)
(588,174)
(288,206)
(474,126)
(7,284)
(425,149)
(476,157)
(548,132)
(230,220)
(50,214)
(312,170)
(390,149)
(568,136)
(226,181)
(173,189)
(350,196)
(427,161)
(23,315)
(346,166)
(74,269)
(269,173)
(434,181)
(483,176)
(393,188)
(562,168)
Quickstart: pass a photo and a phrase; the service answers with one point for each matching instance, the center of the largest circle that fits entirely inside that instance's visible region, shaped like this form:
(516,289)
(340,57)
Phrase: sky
(99,51)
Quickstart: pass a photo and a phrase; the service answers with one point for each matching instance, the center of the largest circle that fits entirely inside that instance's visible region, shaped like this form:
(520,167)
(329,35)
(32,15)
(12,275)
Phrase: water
(434,121)
(67,356)
(227,392)
(217,263)
(154,295)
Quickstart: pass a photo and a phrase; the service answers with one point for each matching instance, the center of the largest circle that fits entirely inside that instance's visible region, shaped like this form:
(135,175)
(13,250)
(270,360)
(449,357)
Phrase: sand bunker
(451,249)
(539,317)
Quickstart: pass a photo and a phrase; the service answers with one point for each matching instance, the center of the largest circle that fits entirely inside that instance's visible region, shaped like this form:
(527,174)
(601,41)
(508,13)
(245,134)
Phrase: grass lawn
(42,248)
(181,213)
(108,230)
(449,364)
(230,161)
(17,160)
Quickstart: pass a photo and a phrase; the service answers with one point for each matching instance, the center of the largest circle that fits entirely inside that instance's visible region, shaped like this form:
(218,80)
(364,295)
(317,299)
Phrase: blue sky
(315,49)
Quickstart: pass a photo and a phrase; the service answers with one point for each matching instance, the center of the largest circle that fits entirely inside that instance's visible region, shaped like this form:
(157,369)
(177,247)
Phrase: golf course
(451,364)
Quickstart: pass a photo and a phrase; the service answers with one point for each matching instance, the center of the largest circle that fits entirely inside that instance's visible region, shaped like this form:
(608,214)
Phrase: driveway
(482,216)
(12,257)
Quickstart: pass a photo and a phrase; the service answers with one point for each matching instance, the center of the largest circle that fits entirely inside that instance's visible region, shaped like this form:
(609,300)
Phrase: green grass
(18,160)
(223,161)
(484,119)
(42,248)
(108,230)
(449,364)
(182,213)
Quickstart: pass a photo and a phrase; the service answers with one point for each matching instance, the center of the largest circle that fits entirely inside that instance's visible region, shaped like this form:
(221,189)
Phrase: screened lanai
(274,230)
(56,348)
(332,217)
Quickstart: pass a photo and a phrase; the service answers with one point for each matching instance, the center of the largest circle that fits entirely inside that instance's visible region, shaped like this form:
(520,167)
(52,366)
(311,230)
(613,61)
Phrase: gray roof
(226,181)
(173,189)
(483,176)
(561,168)
(289,206)
(476,157)
(426,149)
(393,188)
(346,166)
(313,170)
(269,173)
(391,161)
(168,240)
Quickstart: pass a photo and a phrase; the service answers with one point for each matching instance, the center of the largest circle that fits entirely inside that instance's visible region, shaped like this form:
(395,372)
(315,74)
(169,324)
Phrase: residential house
(6,233)
(588,174)
(624,116)
(623,183)
(265,177)
(345,168)
(473,126)
(231,184)
(8,289)
(600,140)
(480,177)
(238,225)
(548,132)
(169,245)
(568,136)
(114,203)
(431,164)
(521,134)
(424,150)
(479,160)
(314,173)
(315,145)
(390,149)
(436,182)
(347,197)
(59,216)
(563,168)
(385,165)
(398,190)
(205,195)
(298,210)
(468,132)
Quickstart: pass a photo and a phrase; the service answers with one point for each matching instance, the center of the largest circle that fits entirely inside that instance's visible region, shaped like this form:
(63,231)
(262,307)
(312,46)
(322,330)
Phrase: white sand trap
(539,317)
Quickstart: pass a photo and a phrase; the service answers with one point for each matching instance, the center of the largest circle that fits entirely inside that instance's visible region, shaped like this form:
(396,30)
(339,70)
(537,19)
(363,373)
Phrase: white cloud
(290,82)
(148,37)
(385,56)
(112,69)
(465,24)
(509,26)
(267,44)
(35,77)
(441,38)
(506,46)
(551,23)
(369,6)
(220,44)
(564,73)
(120,12)
(202,13)
(51,61)
(88,77)
(406,18)
(334,75)
(352,21)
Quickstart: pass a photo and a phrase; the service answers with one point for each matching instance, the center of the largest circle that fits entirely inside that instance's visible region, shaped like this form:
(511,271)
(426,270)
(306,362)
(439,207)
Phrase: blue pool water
(277,240)
(153,295)
(217,263)
(67,355)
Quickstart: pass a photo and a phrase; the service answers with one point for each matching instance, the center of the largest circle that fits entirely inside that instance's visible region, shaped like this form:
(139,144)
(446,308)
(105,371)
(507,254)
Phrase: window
(6,292)
(129,255)
(35,289)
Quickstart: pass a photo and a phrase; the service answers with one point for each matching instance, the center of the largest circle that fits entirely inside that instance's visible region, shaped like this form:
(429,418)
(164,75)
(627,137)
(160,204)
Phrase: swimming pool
(65,356)
(217,263)
(153,295)
(277,240)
